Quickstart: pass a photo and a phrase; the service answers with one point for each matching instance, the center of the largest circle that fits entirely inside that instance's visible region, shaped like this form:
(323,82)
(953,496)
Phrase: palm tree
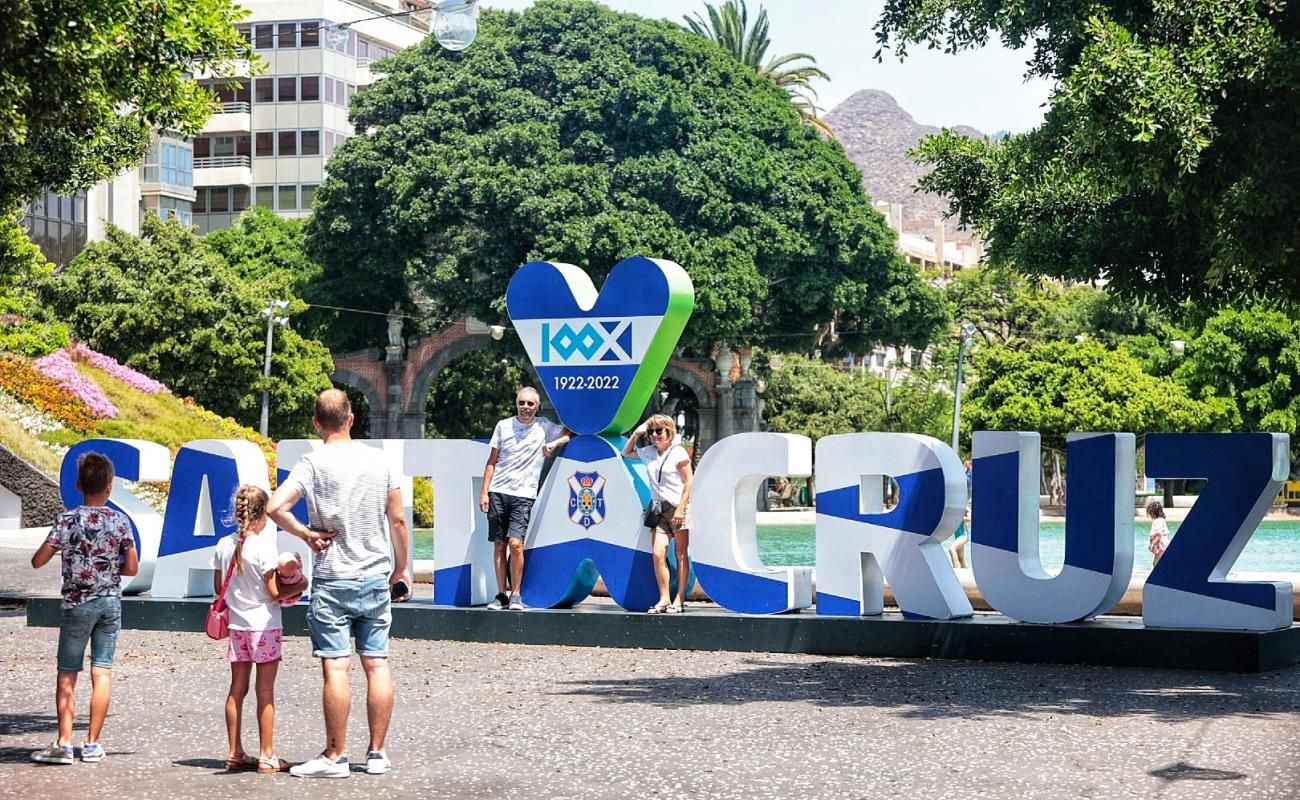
(729,27)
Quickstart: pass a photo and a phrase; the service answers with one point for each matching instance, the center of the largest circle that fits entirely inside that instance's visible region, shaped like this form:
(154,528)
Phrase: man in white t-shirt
(520,446)
(359,537)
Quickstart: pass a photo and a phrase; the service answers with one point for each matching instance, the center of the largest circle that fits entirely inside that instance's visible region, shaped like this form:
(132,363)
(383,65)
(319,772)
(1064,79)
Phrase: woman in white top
(669,466)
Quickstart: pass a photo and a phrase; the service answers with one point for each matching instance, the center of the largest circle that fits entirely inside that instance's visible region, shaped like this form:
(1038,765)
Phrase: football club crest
(586,499)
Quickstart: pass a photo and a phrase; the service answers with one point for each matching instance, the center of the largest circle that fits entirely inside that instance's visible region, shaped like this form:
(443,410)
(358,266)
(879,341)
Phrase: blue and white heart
(600,354)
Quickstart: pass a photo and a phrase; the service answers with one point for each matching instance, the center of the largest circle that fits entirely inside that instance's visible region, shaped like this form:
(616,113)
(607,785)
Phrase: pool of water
(1275,546)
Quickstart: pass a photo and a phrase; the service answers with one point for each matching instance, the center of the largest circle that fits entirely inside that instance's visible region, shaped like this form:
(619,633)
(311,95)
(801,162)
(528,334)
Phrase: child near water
(1160,536)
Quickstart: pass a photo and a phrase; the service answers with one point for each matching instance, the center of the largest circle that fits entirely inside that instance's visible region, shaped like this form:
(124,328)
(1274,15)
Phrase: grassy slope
(160,418)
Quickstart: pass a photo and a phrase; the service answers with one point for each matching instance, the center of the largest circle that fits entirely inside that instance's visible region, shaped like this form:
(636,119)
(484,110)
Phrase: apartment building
(276,127)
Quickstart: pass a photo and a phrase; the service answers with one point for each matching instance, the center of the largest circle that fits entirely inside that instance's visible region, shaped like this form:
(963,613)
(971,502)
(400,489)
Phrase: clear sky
(985,89)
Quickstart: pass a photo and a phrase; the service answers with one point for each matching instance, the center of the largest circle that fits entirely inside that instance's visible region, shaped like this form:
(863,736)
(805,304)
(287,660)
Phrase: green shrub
(61,437)
(422,504)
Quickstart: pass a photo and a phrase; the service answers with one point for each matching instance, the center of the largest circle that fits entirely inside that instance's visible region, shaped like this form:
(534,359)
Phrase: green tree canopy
(728,25)
(166,304)
(1169,160)
(573,133)
(84,85)
(1059,388)
(813,398)
(1248,361)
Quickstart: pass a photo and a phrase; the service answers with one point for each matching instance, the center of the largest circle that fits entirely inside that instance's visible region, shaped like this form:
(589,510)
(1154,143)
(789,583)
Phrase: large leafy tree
(1057,388)
(1249,362)
(84,84)
(166,304)
(728,25)
(1169,160)
(573,133)
(814,398)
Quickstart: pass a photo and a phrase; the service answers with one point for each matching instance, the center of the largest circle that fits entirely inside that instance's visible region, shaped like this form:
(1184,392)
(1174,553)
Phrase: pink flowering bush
(59,367)
(130,377)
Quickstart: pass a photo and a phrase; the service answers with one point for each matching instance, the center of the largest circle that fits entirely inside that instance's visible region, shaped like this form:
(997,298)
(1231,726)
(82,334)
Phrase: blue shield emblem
(586,499)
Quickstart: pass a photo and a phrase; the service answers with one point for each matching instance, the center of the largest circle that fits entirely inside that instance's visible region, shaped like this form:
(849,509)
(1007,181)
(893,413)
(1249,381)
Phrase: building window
(264,90)
(310,143)
(288,143)
(311,34)
(287,199)
(308,195)
(288,90)
(288,35)
(238,198)
(201,200)
(263,37)
(310,88)
(265,143)
(266,196)
(57,226)
(218,199)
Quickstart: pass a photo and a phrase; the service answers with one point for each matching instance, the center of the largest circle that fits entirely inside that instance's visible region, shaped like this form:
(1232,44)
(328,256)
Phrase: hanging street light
(455,24)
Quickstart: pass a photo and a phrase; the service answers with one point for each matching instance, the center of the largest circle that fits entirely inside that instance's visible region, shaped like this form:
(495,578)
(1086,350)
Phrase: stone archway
(368,385)
(397,384)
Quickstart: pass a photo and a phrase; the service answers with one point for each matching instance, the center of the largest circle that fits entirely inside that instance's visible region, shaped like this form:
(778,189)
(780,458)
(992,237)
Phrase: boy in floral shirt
(92,538)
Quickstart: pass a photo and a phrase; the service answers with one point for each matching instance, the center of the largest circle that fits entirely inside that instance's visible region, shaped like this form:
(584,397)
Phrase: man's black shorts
(508,516)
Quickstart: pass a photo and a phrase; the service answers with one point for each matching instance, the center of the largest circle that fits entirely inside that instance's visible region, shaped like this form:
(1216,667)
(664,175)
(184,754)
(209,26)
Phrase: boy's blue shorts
(96,621)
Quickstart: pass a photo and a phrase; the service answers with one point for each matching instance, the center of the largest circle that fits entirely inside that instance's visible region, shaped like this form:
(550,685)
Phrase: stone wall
(39,494)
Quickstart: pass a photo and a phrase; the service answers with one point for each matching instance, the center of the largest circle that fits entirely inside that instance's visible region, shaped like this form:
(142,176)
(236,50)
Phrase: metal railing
(233,108)
(222,161)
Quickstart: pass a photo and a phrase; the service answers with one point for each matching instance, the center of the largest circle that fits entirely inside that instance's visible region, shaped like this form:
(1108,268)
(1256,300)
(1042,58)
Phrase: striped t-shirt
(346,486)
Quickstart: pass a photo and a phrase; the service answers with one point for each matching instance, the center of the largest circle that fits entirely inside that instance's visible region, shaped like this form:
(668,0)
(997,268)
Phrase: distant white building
(271,138)
(925,250)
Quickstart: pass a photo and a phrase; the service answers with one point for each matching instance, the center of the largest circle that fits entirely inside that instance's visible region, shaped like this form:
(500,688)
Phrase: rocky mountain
(877,133)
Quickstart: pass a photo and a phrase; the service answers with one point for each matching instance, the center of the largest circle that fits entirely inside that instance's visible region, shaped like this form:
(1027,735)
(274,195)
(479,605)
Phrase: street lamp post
(274,314)
(967,334)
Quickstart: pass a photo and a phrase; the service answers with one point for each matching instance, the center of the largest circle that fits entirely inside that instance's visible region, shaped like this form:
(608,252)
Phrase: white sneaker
(322,767)
(54,754)
(92,752)
(499,602)
(515,603)
(377,763)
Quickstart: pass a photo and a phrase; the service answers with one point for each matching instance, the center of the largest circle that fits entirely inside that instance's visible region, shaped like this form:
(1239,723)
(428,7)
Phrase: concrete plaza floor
(515,721)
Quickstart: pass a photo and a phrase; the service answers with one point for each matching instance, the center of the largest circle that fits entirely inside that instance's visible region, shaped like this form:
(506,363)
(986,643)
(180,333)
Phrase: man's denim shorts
(342,608)
(96,621)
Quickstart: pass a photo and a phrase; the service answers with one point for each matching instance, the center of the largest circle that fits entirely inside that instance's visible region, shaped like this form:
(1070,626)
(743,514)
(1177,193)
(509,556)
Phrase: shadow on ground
(935,689)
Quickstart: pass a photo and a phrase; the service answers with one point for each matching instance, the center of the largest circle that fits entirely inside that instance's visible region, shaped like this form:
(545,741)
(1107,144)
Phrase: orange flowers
(19,378)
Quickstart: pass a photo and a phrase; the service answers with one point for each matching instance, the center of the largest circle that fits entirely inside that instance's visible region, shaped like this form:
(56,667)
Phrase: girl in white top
(669,466)
(1160,535)
(260,580)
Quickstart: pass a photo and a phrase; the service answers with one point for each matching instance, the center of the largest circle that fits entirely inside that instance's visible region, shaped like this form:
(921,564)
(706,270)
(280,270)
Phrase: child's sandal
(272,764)
(241,763)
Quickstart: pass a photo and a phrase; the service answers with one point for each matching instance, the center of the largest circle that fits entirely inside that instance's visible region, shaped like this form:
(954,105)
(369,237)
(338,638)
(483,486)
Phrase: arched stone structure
(397,387)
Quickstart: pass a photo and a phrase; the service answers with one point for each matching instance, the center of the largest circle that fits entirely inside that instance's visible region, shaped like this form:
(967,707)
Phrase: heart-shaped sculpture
(600,355)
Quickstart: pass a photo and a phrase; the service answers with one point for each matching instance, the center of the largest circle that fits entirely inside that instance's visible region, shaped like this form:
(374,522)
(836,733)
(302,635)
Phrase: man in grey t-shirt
(520,445)
(359,537)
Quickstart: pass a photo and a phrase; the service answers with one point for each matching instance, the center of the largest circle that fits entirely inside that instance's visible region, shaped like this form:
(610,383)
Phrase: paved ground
(507,721)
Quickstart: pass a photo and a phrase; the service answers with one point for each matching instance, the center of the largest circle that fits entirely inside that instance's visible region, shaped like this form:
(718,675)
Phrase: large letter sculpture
(858,543)
(462,555)
(1189,587)
(133,460)
(725,551)
(599,356)
(204,480)
(1098,524)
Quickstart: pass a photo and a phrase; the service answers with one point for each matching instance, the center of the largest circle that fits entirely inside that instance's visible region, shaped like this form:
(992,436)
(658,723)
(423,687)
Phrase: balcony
(223,171)
(230,118)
